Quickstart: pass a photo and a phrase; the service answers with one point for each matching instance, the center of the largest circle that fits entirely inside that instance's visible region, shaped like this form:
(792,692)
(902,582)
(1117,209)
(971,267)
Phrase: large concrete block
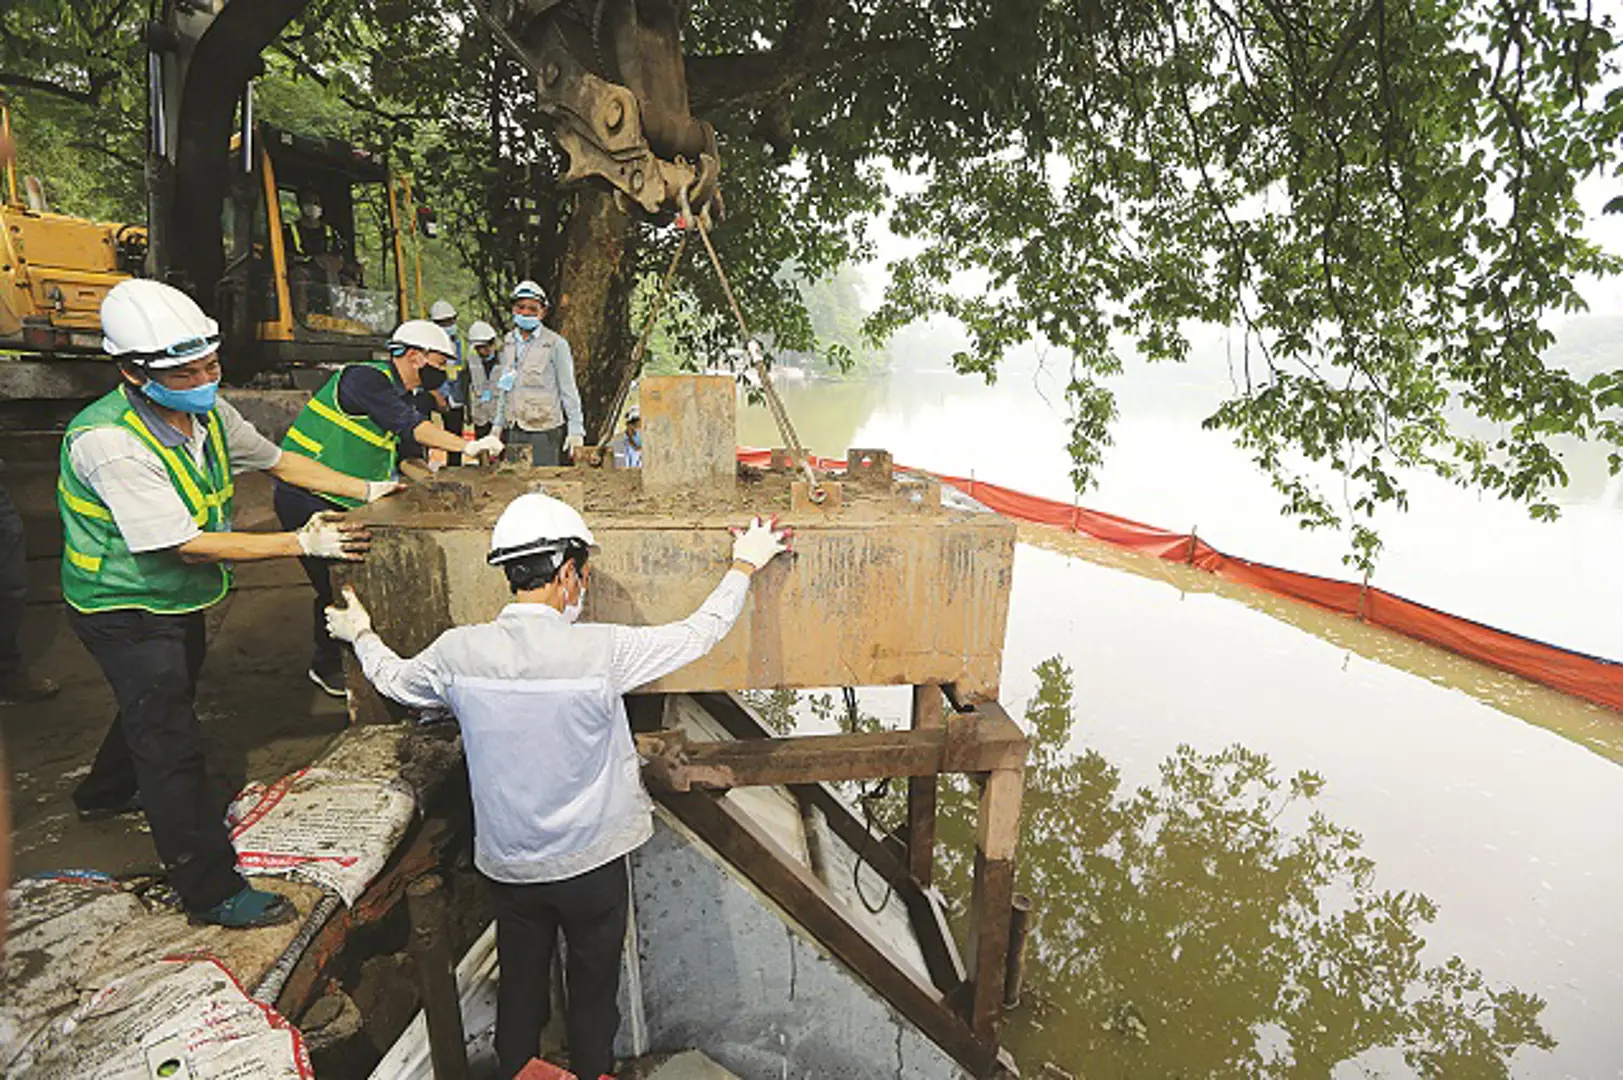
(884,592)
(688,423)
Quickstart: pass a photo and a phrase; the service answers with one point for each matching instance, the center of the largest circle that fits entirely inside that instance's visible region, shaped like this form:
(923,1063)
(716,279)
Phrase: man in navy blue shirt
(380,394)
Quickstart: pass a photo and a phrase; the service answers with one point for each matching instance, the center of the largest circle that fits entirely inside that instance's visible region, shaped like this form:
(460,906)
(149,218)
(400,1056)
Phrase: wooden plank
(740,722)
(808,901)
(992,898)
(430,948)
(928,705)
(887,858)
(936,942)
(997,829)
(422,855)
(976,746)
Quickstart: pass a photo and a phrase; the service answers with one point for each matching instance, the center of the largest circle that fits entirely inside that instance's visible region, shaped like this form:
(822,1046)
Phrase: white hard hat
(534,523)
(529,290)
(442,311)
(150,323)
(481,332)
(422,334)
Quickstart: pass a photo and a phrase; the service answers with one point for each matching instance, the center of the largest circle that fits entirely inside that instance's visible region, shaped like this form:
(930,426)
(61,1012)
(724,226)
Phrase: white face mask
(312,211)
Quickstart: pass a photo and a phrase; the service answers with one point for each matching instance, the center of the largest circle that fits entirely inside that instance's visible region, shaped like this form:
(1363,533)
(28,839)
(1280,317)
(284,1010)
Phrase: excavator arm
(609,75)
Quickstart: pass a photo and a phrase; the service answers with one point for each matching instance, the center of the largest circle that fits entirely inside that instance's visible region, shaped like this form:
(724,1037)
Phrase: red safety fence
(1592,678)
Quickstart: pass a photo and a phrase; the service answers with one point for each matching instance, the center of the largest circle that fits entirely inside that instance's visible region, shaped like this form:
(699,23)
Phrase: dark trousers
(591,911)
(454,419)
(546,447)
(13,585)
(295,506)
(155,746)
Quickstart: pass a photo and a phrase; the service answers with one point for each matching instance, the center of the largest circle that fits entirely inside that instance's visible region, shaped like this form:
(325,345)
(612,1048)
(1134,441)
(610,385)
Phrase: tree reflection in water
(1214,924)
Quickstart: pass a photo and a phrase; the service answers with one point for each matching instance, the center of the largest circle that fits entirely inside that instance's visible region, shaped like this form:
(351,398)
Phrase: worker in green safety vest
(145,493)
(363,422)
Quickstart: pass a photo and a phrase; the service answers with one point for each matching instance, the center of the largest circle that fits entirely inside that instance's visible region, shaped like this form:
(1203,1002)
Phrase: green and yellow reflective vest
(351,444)
(99,572)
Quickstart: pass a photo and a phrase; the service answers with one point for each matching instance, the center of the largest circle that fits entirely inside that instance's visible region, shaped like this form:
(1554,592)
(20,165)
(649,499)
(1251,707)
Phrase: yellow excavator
(54,269)
(297,303)
(223,191)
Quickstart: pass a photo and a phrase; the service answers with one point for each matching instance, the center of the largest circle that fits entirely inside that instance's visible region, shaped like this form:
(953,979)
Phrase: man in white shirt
(558,800)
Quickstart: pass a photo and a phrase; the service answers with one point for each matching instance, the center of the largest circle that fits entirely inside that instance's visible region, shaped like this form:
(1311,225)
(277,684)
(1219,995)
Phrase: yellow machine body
(54,271)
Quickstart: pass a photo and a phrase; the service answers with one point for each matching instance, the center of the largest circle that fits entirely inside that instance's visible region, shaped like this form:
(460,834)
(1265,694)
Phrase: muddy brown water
(1265,840)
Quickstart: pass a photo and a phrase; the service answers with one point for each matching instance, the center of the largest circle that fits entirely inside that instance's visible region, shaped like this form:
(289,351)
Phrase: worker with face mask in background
(558,800)
(538,404)
(363,422)
(482,375)
(145,494)
(316,254)
(627,448)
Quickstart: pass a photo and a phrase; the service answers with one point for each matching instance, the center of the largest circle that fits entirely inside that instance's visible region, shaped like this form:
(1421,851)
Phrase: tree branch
(801,51)
(320,78)
(133,164)
(99,81)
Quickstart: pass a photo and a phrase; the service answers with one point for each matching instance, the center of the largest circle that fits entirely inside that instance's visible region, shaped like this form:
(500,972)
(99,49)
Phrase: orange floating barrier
(1591,678)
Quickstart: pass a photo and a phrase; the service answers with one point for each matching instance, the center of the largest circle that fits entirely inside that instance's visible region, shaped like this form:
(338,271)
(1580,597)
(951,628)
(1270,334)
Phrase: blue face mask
(194,399)
(527,323)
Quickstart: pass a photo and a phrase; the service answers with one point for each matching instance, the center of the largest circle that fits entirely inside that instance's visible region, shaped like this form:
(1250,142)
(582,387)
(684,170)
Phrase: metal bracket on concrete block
(800,499)
(871,468)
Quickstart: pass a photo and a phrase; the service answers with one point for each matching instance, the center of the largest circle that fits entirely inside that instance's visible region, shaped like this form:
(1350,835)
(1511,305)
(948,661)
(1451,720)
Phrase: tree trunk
(593,312)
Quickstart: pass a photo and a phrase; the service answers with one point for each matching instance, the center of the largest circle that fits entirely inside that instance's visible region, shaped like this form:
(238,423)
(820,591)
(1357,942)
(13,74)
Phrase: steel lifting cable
(867,797)
(647,331)
(752,349)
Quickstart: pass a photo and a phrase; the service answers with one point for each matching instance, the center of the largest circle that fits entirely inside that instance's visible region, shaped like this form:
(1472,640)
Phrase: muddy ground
(261,717)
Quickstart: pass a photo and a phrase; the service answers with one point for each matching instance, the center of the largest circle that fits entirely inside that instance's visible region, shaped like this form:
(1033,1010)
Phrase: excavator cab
(314,269)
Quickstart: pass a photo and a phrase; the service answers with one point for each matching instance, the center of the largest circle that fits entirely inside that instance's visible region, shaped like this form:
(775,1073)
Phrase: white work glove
(573,443)
(489,446)
(327,536)
(351,621)
(378,489)
(762,540)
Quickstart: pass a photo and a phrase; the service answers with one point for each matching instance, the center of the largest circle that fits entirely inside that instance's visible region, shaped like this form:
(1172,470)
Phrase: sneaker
(330,684)
(131,805)
(248,909)
(21,687)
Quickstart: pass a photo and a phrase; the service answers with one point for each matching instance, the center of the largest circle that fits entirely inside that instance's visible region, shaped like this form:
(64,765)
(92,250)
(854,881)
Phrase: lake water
(1197,916)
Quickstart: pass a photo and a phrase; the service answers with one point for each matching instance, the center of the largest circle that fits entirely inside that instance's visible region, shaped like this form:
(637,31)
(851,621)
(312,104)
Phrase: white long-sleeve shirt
(557,790)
